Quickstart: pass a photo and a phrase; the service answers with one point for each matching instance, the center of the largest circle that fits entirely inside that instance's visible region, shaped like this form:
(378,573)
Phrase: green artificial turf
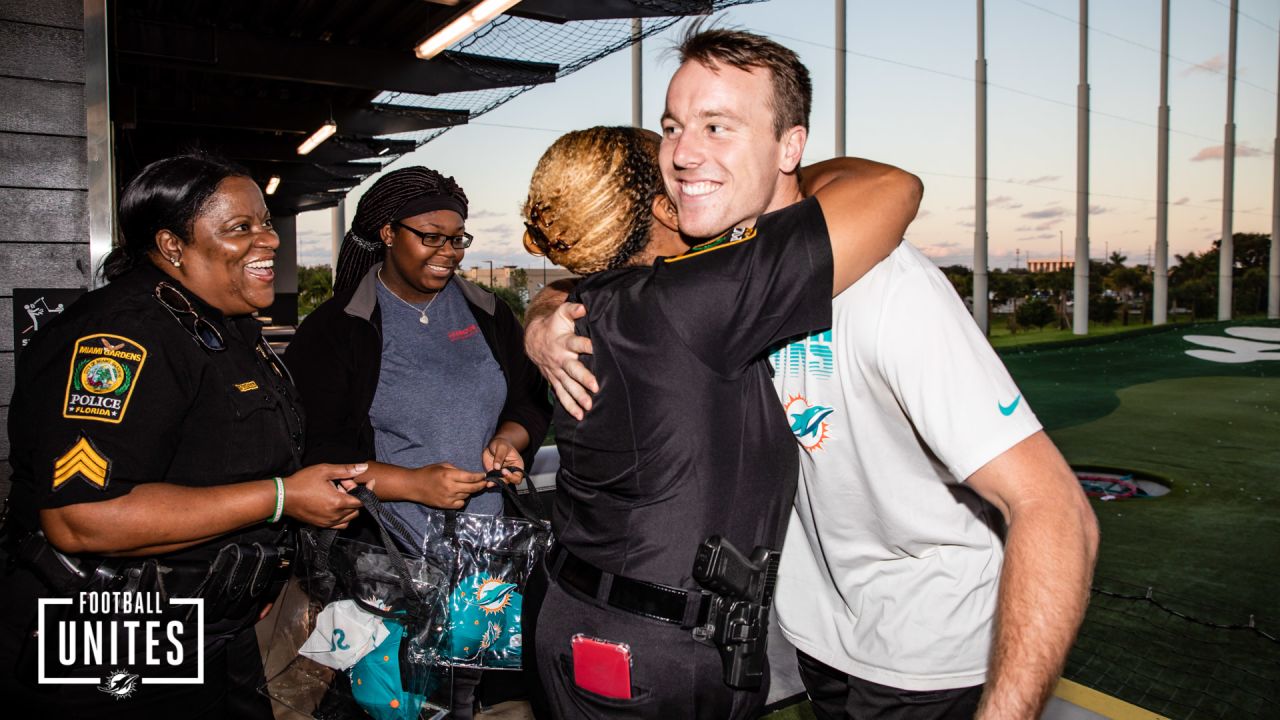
(1207,554)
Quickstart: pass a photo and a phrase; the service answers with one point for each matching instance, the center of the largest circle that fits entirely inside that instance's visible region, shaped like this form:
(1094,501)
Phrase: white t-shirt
(891,565)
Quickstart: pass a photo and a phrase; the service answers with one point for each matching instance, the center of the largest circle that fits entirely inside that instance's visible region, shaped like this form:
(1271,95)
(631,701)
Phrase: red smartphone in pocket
(601,666)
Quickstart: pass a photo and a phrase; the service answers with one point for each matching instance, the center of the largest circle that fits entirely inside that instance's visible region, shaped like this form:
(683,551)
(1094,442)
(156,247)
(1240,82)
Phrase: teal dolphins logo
(484,619)
(808,422)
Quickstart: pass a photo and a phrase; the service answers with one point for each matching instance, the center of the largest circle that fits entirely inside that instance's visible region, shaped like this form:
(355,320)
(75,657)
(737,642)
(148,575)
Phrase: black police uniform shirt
(686,438)
(118,393)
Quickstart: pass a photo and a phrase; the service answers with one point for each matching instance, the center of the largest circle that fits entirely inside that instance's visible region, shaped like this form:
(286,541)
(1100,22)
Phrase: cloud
(314,248)
(483,214)
(1048,225)
(1098,210)
(1042,236)
(938,250)
(966,223)
(1182,200)
(1043,179)
(1216,152)
(501,230)
(922,214)
(1023,228)
(1003,201)
(1050,212)
(1215,65)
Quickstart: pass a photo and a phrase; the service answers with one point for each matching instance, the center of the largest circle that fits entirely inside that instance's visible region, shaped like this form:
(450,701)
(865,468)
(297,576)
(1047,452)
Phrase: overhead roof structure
(251,79)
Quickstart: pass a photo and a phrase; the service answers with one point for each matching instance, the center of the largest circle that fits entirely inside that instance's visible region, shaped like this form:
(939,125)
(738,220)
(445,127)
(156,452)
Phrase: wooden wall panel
(44,216)
(43,266)
(42,53)
(60,13)
(6,328)
(43,161)
(39,106)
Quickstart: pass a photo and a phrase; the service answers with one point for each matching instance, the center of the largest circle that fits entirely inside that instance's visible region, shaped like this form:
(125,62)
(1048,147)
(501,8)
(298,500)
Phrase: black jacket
(336,356)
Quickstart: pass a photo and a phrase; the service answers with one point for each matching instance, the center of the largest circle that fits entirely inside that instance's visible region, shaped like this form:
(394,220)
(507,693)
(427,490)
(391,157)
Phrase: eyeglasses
(202,331)
(273,360)
(435,240)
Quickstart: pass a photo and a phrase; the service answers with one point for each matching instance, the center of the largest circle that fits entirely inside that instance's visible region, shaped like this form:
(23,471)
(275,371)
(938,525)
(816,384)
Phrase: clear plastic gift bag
(491,560)
(359,630)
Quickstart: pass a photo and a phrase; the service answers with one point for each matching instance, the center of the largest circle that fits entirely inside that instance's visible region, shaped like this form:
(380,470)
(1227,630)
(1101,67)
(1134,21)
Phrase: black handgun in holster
(738,617)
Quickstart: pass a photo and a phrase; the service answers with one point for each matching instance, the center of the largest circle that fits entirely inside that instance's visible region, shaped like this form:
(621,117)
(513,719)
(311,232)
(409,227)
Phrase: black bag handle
(509,492)
(324,539)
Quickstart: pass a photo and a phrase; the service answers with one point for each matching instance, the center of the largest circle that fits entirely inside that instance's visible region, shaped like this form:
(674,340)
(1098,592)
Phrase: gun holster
(738,617)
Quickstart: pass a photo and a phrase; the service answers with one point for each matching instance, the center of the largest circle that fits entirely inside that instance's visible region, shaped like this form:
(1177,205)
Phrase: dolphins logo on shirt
(808,422)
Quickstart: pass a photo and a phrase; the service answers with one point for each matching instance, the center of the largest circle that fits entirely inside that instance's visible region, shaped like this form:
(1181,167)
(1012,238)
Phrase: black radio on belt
(738,618)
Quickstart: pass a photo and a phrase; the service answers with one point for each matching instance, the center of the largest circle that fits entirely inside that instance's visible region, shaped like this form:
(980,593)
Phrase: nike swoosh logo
(1007,410)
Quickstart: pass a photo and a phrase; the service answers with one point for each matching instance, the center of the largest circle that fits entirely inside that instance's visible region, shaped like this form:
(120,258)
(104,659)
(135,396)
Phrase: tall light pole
(980,177)
(1080,317)
(841,61)
(1226,251)
(1160,273)
(1273,284)
(637,73)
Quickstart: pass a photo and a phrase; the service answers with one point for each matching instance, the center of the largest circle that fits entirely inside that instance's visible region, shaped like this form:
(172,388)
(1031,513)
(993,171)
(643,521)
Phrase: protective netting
(572,46)
(1178,658)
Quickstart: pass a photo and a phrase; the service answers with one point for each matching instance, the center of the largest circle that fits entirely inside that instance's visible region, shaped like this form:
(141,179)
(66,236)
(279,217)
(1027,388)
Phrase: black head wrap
(397,195)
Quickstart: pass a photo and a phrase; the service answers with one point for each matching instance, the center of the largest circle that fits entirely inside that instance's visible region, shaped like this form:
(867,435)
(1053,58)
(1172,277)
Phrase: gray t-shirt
(439,395)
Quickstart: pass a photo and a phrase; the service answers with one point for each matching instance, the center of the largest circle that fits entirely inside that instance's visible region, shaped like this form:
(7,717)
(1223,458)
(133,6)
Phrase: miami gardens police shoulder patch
(104,371)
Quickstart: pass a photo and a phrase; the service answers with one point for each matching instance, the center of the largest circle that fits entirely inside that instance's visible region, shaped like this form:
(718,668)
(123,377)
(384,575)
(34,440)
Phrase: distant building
(507,277)
(1042,266)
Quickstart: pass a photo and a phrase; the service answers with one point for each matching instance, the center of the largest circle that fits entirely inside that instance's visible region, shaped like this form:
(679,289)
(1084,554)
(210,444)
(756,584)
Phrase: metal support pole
(338,229)
(98,141)
(1080,316)
(841,61)
(980,309)
(637,73)
(1160,272)
(1226,252)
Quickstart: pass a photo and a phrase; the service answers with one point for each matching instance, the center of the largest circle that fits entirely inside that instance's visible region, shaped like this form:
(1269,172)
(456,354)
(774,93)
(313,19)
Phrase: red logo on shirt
(464,333)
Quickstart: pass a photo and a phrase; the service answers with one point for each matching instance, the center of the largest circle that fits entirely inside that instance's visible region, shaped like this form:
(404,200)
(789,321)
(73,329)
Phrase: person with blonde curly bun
(685,439)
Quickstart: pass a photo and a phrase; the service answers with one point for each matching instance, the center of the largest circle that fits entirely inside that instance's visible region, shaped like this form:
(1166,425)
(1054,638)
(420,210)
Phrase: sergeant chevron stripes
(82,459)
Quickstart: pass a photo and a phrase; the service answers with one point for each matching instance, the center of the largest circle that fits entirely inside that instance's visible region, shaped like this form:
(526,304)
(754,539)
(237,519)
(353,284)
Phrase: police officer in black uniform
(155,443)
(685,441)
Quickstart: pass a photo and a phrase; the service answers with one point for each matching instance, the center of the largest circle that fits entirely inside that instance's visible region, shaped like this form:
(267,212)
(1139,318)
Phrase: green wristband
(275,517)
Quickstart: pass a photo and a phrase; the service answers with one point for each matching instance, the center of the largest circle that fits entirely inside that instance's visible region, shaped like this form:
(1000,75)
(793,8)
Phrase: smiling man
(940,551)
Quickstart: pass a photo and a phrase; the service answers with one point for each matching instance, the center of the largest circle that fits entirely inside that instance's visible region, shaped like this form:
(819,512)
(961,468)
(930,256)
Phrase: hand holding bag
(359,629)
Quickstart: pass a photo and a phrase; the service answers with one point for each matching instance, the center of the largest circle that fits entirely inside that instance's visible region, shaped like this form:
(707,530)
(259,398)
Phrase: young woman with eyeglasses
(157,447)
(415,370)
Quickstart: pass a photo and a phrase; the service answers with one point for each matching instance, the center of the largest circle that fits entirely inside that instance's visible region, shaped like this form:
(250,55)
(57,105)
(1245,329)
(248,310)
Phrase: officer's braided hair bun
(590,204)
(398,194)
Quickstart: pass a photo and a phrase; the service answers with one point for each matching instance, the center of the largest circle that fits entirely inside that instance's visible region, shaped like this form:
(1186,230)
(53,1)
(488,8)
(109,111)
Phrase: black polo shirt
(117,393)
(686,437)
